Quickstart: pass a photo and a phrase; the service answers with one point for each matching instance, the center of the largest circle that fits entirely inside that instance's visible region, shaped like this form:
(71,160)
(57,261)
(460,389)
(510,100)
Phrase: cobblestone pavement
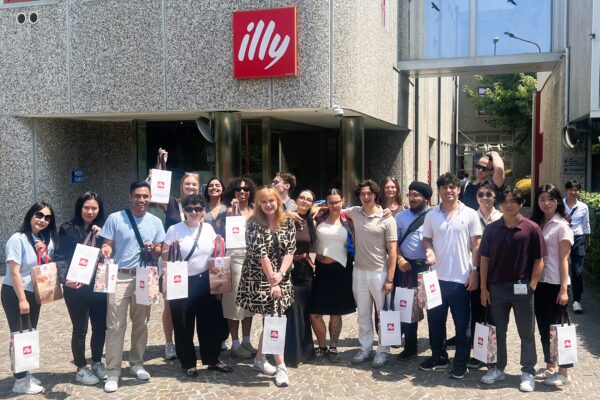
(312,380)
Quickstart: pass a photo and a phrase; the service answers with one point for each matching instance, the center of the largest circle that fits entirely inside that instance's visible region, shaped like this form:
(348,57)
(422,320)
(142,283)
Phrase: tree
(508,103)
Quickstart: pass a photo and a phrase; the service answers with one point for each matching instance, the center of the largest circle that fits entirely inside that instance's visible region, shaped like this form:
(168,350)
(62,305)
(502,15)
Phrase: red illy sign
(264,43)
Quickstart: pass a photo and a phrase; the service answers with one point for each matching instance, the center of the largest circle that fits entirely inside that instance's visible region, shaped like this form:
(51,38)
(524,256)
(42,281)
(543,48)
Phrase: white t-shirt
(452,242)
(185,235)
(331,242)
(555,231)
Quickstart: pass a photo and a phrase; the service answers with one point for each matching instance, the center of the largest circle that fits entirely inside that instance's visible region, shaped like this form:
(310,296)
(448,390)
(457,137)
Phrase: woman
(265,284)
(82,302)
(241,192)
(391,196)
(298,340)
(332,286)
(551,293)
(200,309)
(37,235)
(216,211)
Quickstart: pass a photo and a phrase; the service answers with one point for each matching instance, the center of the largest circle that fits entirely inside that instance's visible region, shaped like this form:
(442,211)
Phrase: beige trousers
(116,324)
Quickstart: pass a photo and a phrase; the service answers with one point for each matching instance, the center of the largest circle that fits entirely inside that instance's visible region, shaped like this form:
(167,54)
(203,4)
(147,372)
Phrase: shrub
(592,259)
(524,185)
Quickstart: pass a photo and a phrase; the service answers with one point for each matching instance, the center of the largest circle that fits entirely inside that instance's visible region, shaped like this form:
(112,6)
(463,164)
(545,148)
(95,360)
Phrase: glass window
(445,31)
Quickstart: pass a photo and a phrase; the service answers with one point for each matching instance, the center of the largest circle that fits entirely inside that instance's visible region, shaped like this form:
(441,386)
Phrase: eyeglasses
(334,204)
(242,189)
(414,195)
(41,215)
(193,209)
(483,168)
(307,199)
(481,195)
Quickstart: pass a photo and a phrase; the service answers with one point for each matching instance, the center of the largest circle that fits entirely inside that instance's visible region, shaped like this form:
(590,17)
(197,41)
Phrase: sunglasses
(193,209)
(483,168)
(307,199)
(41,215)
(481,195)
(242,189)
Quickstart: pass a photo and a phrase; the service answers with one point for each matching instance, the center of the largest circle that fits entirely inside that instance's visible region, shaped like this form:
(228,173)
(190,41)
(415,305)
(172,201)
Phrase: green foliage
(592,259)
(524,185)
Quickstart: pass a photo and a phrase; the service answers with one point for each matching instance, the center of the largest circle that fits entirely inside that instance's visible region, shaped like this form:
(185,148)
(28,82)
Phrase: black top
(69,235)
(173,215)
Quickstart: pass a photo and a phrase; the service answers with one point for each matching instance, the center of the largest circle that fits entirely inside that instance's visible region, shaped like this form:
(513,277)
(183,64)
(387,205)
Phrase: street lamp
(496,40)
(512,36)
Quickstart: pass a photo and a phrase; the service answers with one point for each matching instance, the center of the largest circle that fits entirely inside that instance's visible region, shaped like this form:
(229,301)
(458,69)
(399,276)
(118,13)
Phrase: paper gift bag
(160,185)
(83,264)
(485,347)
(176,277)
(146,285)
(273,341)
(429,290)
(106,277)
(389,326)
(219,268)
(563,340)
(24,348)
(46,285)
(235,232)
(407,302)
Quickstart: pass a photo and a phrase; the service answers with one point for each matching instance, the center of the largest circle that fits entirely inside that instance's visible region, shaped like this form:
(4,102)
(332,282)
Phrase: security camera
(338,111)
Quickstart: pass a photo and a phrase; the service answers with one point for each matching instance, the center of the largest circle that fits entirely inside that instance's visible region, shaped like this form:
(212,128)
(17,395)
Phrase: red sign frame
(265,43)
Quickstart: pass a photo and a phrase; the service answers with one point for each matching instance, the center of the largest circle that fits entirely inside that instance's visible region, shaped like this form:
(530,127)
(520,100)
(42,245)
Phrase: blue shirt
(19,250)
(412,247)
(126,250)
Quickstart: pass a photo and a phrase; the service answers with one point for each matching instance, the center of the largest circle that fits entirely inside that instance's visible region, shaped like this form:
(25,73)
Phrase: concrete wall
(580,44)
(38,155)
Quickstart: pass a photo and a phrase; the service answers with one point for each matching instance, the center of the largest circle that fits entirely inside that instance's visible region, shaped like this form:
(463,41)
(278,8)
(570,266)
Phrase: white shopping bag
(83,264)
(389,325)
(176,278)
(567,344)
(106,277)
(484,343)
(160,185)
(431,286)
(274,335)
(403,302)
(25,349)
(235,232)
(146,286)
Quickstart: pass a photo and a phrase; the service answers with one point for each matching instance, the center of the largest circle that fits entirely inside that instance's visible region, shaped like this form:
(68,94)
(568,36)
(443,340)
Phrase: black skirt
(332,290)
(298,336)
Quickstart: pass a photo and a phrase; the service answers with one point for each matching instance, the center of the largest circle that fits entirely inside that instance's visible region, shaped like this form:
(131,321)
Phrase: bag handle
(21,322)
(407,280)
(563,315)
(385,301)
(39,254)
(90,239)
(219,245)
(273,305)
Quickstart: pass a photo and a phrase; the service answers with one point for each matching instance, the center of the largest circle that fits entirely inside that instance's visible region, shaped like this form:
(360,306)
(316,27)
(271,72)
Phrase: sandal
(221,367)
(320,352)
(191,373)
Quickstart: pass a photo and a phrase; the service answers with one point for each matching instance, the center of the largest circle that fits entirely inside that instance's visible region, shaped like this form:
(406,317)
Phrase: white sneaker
(170,353)
(527,382)
(492,376)
(281,378)
(33,379)
(99,370)
(557,379)
(139,372)
(112,384)
(26,386)
(544,373)
(577,308)
(360,357)
(379,360)
(263,366)
(85,376)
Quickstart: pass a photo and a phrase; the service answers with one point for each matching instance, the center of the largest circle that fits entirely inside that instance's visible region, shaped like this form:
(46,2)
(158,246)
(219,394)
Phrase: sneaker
(26,386)
(170,353)
(493,375)
(557,379)
(474,363)
(281,377)
(139,372)
(249,347)
(361,357)
(333,355)
(405,355)
(99,370)
(458,373)
(527,382)
(85,376)
(263,366)
(431,365)
(320,352)
(112,384)
(577,308)
(241,352)
(543,373)
(33,379)
(379,360)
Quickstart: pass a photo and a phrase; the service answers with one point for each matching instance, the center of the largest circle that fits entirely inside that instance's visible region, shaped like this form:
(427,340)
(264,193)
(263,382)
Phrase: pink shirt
(555,231)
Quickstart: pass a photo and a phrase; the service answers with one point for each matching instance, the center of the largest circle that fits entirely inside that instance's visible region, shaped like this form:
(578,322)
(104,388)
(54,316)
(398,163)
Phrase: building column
(352,141)
(228,145)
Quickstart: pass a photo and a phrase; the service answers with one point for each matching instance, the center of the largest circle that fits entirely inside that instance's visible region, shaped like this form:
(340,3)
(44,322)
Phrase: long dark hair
(206,197)
(310,223)
(537,215)
(47,234)
(78,220)
(230,192)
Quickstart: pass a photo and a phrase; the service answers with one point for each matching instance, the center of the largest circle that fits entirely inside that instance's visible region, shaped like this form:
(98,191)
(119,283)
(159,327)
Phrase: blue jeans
(456,298)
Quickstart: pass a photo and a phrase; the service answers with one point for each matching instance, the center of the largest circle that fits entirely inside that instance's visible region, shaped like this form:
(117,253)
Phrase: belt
(128,271)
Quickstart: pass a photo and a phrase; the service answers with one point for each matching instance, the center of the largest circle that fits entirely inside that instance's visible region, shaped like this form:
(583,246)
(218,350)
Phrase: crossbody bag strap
(573,211)
(181,215)
(135,229)
(416,224)
(195,243)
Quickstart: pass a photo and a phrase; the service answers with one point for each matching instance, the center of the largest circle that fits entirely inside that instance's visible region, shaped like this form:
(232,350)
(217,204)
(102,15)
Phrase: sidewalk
(314,380)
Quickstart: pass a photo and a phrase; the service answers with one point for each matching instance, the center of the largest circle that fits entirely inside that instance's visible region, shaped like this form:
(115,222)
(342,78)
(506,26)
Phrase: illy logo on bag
(83,262)
(177,279)
(480,340)
(264,43)
(274,334)
(402,303)
(390,327)
(142,284)
(567,343)
(27,350)
(432,288)
(160,184)
(235,230)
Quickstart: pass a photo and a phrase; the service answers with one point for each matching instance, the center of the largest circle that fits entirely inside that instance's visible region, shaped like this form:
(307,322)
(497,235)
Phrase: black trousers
(84,305)
(203,312)
(10,303)
(576,266)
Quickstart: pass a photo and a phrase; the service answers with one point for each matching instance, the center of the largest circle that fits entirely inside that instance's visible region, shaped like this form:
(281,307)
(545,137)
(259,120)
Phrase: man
(580,223)
(285,182)
(490,166)
(464,180)
(451,236)
(121,243)
(511,251)
(374,265)
(411,255)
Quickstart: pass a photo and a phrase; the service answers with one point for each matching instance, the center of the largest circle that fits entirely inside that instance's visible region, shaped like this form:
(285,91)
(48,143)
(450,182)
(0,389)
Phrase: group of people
(484,258)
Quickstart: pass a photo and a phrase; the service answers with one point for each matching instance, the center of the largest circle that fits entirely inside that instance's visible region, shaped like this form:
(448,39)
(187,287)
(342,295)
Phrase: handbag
(407,301)
(84,260)
(485,345)
(235,230)
(389,324)
(428,290)
(273,341)
(219,269)
(175,275)
(44,277)
(563,339)
(24,348)
(106,276)
(147,291)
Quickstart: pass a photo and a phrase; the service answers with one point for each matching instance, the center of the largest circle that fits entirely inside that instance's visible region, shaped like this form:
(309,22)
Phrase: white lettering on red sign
(142,284)
(567,344)
(432,288)
(160,185)
(390,327)
(480,341)
(177,279)
(276,49)
(235,230)
(403,303)
(274,334)
(83,262)
(27,350)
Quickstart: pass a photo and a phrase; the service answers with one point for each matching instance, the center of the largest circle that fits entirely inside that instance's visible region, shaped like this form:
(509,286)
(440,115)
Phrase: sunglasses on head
(482,167)
(481,195)
(41,215)
(242,189)
(192,209)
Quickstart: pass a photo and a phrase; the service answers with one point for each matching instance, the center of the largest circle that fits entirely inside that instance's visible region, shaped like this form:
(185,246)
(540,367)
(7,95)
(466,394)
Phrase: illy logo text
(83,262)
(276,49)
(27,350)
(432,288)
(403,303)
(567,344)
(235,230)
(142,284)
(160,185)
(480,341)
(274,334)
(390,327)
(177,279)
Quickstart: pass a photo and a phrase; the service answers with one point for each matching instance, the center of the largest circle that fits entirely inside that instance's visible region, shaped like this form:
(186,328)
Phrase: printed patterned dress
(254,291)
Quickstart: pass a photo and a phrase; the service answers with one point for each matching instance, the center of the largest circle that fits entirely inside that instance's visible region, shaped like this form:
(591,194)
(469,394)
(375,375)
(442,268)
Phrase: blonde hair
(259,215)
(183,178)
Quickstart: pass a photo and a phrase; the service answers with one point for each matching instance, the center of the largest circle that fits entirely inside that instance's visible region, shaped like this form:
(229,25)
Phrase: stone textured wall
(580,26)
